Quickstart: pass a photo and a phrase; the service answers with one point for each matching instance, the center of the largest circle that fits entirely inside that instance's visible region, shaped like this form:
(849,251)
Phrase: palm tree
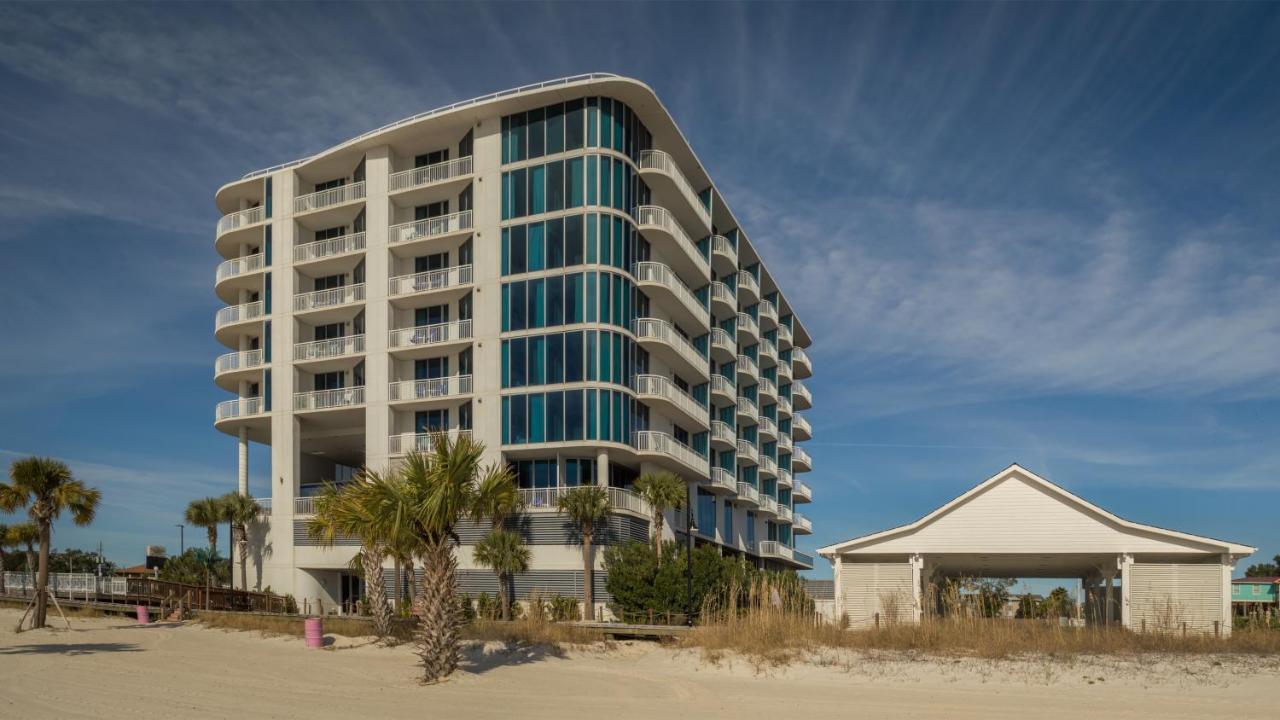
(353,509)
(497,496)
(586,506)
(661,490)
(46,487)
(6,542)
(238,511)
(504,553)
(206,513)
(27,534)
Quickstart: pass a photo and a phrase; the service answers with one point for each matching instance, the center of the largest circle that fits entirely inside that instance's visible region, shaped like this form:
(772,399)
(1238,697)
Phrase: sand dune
(105,667)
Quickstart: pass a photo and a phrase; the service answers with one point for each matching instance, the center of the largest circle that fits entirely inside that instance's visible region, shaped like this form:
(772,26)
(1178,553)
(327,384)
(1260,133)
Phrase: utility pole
(182,546)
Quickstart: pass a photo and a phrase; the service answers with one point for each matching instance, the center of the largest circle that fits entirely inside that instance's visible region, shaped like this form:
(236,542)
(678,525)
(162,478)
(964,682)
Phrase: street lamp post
(182,546)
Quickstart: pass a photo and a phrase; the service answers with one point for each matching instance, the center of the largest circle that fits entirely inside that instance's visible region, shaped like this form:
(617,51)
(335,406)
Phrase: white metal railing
(748,323)
(798,422)
(798,355)
(748,282)
(767,426)
(654,216)
(72,585)
(406,443)
(329,399)
(264,505)
(662,162)
(430,334)
(784,512)
(654,272)
(768,466)
(721,292)
(662,387)
(799,390)
(784,442)
(720,339)
(441,279)
(429,174)
(768,504)
(784,371)
(722,432)
(798,455)
(748,493)
(330,247)
(239,266)
(747,407)
(765,386)
(660,442)
(548,500)
(429,389)
(773,548)
(333,297)
(241,218)
(243,360)
(723,479)
(663,331)
(784,334)
(330,197)
(238,408)
(724,386)
(784,478)
(800,489)
(304,506)
(784,406)
(768,349)
(721,245)
(239,313)
(801,523)
(768,311)
(747,450)
(331,348)
(748,366)
(430,227)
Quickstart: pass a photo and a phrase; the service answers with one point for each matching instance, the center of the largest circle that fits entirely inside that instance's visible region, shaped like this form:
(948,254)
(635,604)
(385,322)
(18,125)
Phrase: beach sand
(106,667)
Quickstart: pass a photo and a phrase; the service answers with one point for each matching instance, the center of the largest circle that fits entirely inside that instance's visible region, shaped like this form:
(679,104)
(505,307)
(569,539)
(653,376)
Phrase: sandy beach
(108,666)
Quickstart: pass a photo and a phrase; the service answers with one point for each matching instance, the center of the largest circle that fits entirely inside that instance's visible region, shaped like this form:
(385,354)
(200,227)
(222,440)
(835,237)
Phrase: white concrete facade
(364,290)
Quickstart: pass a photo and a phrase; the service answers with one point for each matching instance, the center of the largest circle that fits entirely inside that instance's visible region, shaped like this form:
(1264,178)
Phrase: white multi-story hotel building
(549,269)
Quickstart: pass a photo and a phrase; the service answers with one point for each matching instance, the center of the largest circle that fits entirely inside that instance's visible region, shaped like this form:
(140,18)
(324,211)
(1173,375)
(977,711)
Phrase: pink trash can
(144,615)
(314,632)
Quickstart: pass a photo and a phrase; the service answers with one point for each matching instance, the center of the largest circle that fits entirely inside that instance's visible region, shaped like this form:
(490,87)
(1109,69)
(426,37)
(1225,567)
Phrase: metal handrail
(242,360)
(655,272)
(239,313)
(238,408)
(332,297)
(330,197)
(663,387)
(239,266)
(428,174)
(241,218)
(657,329)
(747,281)
(663,162)
(432,388)
(429,227)
(660,217)
(430,334)
(329,399)
(405,443)
(441,279)
(660,442)
(351,242)
(330,348)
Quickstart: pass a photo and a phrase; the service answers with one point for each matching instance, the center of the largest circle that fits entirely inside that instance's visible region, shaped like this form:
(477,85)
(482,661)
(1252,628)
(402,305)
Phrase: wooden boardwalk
(633,630)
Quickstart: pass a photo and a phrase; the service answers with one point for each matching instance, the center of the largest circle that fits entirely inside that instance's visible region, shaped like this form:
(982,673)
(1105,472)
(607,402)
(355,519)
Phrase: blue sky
(1021,233)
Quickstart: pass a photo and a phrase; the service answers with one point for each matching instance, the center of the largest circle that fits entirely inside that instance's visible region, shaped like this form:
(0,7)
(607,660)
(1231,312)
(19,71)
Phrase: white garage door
(1167,595)
(870,588)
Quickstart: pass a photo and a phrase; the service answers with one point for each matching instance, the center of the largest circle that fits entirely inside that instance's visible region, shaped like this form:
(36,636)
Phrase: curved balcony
(801,398)
(747,411)
(768,315)
(768,353)
(784,370)
(675,403)
(233,316)
(232,363)
(801,493)
(723,348)
(331,248)
(405,234)
(800,460)
(661,282)
(775,550)
(724,256)
(723,436)
(723,390)
(784,407)
(429,175)
(784,513)
(663,176)
(405,443)
(748,330)
(239,408)
(547,500)
(333,197)
(660,337)
(328,399)
(452,387)
(768,466)
(800,429)
(801,525)
(784,337)
(669,452)
(747,370)
(459,277)
(768,505)
(241,219)
(748,288)
(748,494)
(767,428)
(663,231)
(723,300)
(328,299)
(722,481)
(800,365)
(784,442)
(428,336)
(766,389)
(331,349)
(784,478)
(240,267)
(748,454)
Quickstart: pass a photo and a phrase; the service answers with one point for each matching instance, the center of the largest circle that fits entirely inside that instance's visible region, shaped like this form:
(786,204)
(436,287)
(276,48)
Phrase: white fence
(69,585)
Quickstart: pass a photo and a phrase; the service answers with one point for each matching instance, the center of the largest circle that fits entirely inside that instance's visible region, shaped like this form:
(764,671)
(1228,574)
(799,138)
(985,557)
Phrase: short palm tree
(238,511)
(661,491)
(353,509)
(497,495)
(206,513)
(586,506)
(503,552)
(46,488)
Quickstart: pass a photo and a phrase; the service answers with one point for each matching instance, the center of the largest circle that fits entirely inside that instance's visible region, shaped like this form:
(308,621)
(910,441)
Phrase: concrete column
(377,315)
(1126,564)
(286,432)
(242,467)
(486,297)
(838,603)
(917,591)
(602,468)
(1106,606)
(1228,565)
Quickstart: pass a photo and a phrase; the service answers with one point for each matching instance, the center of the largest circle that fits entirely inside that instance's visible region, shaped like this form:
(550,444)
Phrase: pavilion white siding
(1163,596)
(876,587)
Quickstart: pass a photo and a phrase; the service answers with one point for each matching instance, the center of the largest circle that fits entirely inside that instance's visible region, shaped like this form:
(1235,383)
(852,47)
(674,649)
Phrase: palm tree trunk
(371,564)
(588,580)
(657,534)
(42,580)
(2,587)
(242,541)
(31,567)
(502,596)
(208,571)
(438,638)
(408,582)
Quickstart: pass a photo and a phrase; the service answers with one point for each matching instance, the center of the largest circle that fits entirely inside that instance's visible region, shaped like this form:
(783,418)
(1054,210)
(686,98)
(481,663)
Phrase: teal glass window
(537,189)
(519,363)
(573,254)
(591,418)
(519,193)
(555,301)
(574,419)
(555,129)
(555,417)
(573,309)
(593,161)
(574,182)
(555,185)
(519,306)
(537,418)
(519,420)
(537,360)
(573,356)
(593,121)
(535,247)
(573,124)
(536,133)
(555,243)
(537,304)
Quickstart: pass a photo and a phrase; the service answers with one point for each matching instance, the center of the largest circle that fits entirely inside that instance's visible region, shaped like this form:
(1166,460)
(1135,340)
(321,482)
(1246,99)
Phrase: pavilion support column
(1125,562)
(1106,604)
(242,462)
(917,591)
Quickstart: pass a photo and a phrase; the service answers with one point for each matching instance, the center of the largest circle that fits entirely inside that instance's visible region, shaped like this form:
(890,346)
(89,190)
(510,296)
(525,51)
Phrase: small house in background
(1255,596)
(137,571)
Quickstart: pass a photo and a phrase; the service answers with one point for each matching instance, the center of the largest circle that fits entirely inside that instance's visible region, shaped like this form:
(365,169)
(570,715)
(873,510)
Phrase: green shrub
(643,591)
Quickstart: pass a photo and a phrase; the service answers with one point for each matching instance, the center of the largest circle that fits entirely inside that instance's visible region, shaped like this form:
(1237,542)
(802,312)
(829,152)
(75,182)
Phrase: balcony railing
(662,387)
(768,311)
(747,408)
(406,443)
(773,548)
(430,280)
(664,163)
(720,340)
(784,478)
(748,323)
(331,348)
(768,350)
(748,493)
(653,272)
(239,266)
(784,442)
(723,386)
(768,504)
(241,218)
(798,355)
(747,366)
(768,466)
(767,426)
(429,174)
(654,216)
(784,513)
(329,399)
(766,388)
(243,360)
(784,335)
(431,389)
(331,247)
(784,406)
(722,479)
(720,245)
(430,334)
(239,313)
(800,523)
(264,505)
(663,331)
(328,198)
(429,228)
(304,506)
(548,500)
(747,283)
(798,455)
(798,422)
(660,442)
(721,293)
(333,297)
(747,451)
(723,432)
(801,489)
(238,408)
(784,371)
(798,390)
